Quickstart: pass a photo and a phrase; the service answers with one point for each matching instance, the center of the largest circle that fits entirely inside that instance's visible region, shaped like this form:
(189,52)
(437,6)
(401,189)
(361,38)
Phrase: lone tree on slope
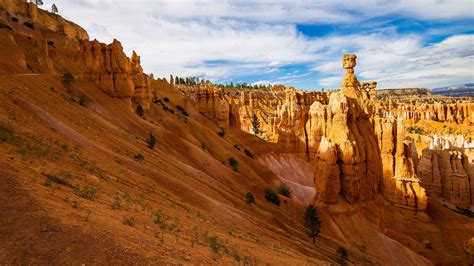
(255,124)
(151,141)
(312,222)
(54,9)
(139,111)
(67,79)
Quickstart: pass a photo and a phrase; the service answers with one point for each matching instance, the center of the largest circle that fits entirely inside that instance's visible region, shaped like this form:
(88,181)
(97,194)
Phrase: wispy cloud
(259,40)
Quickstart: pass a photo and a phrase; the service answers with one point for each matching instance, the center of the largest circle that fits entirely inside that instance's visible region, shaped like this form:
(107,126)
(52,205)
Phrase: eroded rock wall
(447,172)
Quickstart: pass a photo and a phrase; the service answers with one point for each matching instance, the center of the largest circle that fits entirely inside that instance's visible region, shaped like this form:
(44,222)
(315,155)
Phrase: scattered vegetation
(139,111)
(7,134)
(51,43)
(117,204)
(248,153)
(271,196)
(166,99)
(38,2)
(214,243)
(86,192)
(30,25)
(82,100)
(312,222)
(54,9)
(5,26)
(188,81)
(181,110)
(34,147)
(160,219)
(47,182)
(416,130)
(249,198)
(342,254)
(67,79)
(62,179)
(465,211)
(284,190)
(221,133)
(151,141)
(138,157)
(233,163)
(130,221)
(255,124)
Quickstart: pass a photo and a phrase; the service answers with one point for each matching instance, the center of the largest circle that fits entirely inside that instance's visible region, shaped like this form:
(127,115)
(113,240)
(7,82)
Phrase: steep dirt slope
(77,161)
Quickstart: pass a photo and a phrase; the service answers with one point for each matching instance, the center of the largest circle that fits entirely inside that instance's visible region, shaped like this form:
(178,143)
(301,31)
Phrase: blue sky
(416,43)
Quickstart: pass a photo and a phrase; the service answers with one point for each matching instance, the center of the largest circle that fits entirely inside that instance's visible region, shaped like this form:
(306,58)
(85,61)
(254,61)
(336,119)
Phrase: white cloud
(226,39)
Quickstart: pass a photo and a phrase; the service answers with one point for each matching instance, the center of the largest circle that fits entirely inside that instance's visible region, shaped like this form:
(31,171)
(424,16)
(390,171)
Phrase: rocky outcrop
(37,17)
(400,184)
(109,68)
(211,103)
(327,180)
(447,172)
(444,110)
(141,82)
(114,73)
(290,123)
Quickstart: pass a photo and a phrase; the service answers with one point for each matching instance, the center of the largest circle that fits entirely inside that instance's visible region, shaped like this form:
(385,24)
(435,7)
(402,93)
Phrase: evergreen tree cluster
(189,81)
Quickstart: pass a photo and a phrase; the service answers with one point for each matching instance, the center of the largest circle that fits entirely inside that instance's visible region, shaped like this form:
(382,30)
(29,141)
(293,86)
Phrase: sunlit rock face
(446,170)
(352,136)
(211,103)
(114,73)
(400,184)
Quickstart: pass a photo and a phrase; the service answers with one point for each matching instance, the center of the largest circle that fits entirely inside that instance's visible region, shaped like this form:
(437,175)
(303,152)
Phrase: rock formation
(400,184)
(447,172)
(211,103)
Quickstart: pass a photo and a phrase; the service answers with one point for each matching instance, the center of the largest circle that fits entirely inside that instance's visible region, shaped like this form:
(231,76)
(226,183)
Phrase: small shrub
(86,192)
(63,180)
(139,111)
(248,153)
(51,43)
(342,254)
(221,133)
(5,26)
(47,182)
(30,25)
(166,99)
(182,110)
(7,134)
(233,163)
(271,196)
(214,243)
(67,79)
(139,157)
(151,140)
(249,198)
(130,221)
(160,219)
(284,190)
(82,100)
(14,19)
(117,204)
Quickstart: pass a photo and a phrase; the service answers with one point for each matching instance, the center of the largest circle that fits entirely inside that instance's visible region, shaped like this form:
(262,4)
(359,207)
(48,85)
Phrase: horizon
(399,44)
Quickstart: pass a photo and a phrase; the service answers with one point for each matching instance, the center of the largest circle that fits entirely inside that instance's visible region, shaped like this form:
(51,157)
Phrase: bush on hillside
(271,196)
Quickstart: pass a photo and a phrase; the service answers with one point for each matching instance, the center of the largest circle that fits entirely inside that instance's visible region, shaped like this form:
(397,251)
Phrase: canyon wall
(447,171)
(357,145)
(45,43)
